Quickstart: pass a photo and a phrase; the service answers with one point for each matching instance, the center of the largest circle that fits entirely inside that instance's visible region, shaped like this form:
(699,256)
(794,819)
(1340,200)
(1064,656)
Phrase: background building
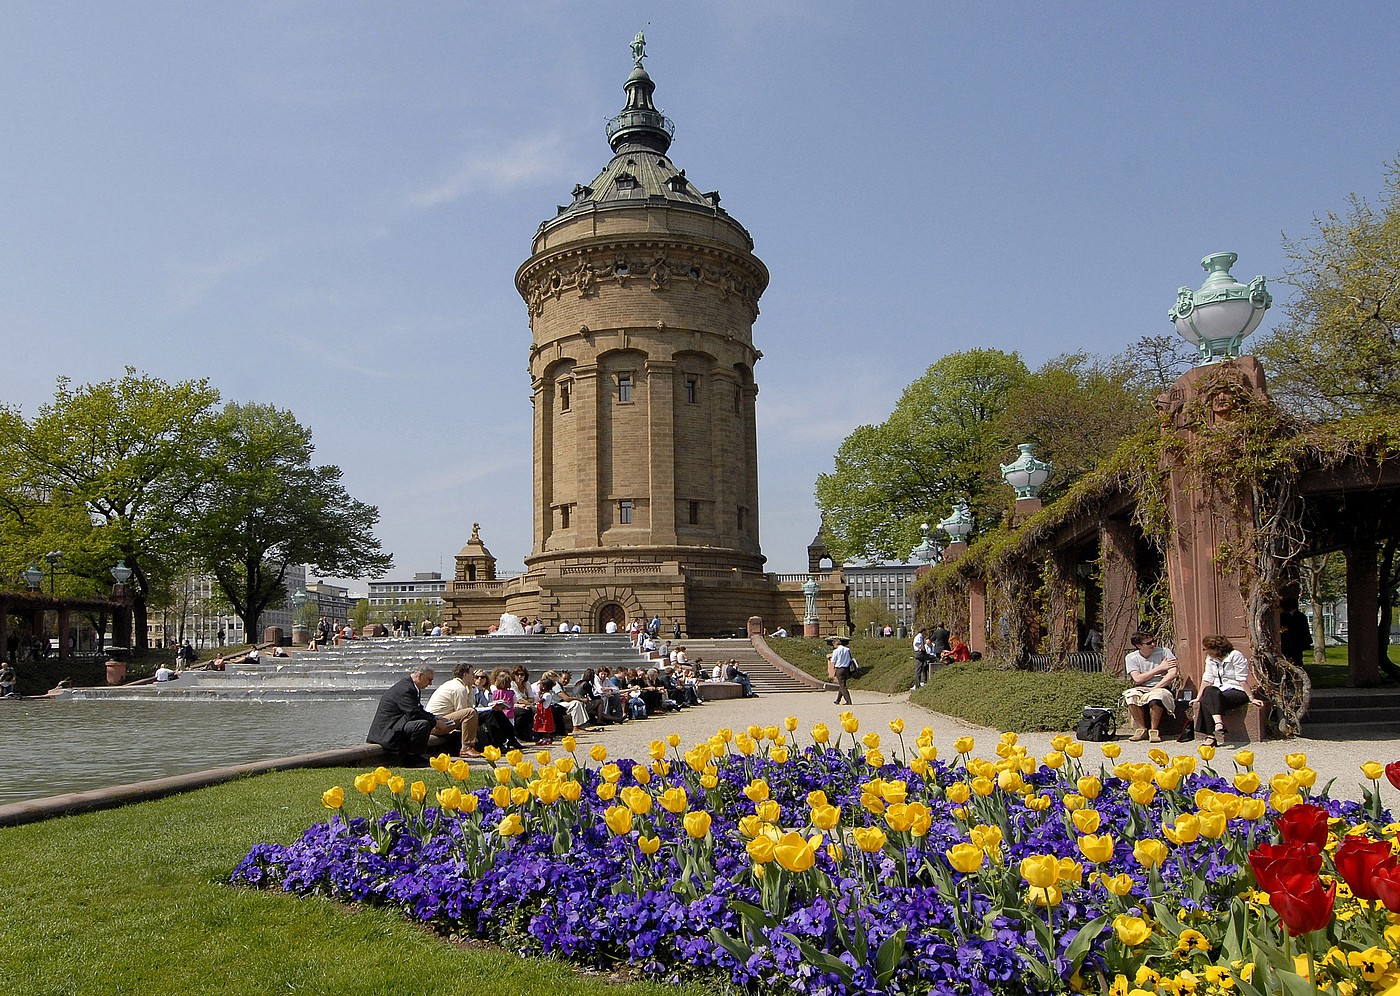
(426,586)
(889,585)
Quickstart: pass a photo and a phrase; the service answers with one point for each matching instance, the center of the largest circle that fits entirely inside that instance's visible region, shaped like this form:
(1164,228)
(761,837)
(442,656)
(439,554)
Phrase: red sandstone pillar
(1363,608)
(977,615)
(1118,566)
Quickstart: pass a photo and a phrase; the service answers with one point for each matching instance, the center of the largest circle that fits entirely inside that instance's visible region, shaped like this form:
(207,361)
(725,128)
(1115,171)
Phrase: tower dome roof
(640,172)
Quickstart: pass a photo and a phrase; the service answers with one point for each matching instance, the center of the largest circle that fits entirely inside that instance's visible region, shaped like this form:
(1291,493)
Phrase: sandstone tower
(642,293)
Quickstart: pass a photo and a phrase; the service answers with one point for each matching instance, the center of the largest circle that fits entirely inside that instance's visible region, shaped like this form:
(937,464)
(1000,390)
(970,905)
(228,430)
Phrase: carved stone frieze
(588,274)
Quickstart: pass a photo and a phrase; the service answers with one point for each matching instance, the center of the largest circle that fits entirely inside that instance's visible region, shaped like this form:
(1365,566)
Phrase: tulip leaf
(1085,936)
(1166,920)
(887,959)
(824,961)
(741,951)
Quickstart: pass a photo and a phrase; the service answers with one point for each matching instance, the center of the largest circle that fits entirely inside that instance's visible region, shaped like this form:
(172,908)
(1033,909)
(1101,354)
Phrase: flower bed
(826,867)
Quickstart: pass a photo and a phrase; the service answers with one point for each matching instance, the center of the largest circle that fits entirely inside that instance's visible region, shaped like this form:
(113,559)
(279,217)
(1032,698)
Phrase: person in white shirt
(455,701)
(610,628)
(840,659)
(1224,684)
(564,626)
(1152,670)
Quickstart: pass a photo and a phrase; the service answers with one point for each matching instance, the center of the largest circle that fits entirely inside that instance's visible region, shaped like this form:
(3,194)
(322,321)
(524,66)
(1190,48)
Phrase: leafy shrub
(981,692)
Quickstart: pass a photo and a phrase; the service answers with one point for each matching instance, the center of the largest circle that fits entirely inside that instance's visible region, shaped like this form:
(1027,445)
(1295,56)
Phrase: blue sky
(322,205)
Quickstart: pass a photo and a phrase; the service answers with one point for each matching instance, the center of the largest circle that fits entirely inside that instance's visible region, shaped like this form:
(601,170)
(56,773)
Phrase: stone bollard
(116,672)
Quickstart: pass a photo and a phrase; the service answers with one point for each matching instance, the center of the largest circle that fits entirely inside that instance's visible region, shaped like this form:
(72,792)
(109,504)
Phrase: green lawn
(132,901)
(1333,674)
(891,662)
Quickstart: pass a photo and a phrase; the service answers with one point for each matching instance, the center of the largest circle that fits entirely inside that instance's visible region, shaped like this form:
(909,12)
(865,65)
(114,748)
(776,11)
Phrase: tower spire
(639,124)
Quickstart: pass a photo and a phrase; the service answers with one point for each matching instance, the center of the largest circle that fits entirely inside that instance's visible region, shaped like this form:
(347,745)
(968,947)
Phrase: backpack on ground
(1096,725)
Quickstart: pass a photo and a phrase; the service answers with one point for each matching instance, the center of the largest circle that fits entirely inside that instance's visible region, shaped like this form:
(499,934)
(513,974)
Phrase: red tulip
(1392,771)
(1271,862)
(1304,824)
(1357,860)
(1387,885)
(1302,903)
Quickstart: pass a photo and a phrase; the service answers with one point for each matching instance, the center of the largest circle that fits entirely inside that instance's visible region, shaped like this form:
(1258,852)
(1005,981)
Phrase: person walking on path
(841,667)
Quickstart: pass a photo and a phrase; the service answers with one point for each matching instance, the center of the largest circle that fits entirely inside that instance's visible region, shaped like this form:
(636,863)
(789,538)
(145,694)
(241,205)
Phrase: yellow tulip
(618,819)
(1295,761)
(543,757)
(816,798)
(958,793)
(333,798)
(418,791)
(365,783)
(825,817)
(1244,758)
(610,772)
(1247,782)
(648,845)
(1089,786)
(1086,820)
(1050,896)
(1010,781)
(1168,779)
(849,723)
(440,762)
(899,818)
(636,799)
(1098,848)
(1009,738)
(1038,803)
(641,775)
(1183,830)
(1371,769)
(1040,870)
(820,734)
(1157,756)
(511,826)
(869,839)
(709,780)
(697,823)
(983,786)
(1074,749)
(760,849)
(673,800)
(894,791)
(1074,802)
(725,734)
(1110,750)
(598,752)
(1150,853)
(778,755)
(396,784)
(1207,752)
(871,740)
(744,744)
(1282,802)
(1131,930)
(500,795)
(1251,808)
(1213,825)
(1071,871)
(1120,885)
(519,796)
(564,765)
(928,752)
(469,803)
(1054,760)
(875,759)
(503,775)
(607,791)
(966,858)
(755,732)
(794,853)
(750,826)
(382,775)
(1307,777)
(756,790)
(525,769)
(449,799)
(1184,764)
(769,811)
(896,726)
(673,739)
(1142,794)
(547,792)
(964,745)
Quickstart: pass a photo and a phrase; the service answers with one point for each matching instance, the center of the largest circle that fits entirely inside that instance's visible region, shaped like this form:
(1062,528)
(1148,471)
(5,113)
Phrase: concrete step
(764,676)
(1353,707)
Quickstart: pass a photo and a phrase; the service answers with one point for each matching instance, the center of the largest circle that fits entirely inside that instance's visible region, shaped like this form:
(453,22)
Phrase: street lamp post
(54,557)
(1216,317)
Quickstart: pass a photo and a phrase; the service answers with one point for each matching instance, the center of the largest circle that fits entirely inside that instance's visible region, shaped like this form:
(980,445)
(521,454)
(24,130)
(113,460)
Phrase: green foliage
(1022,701)
(1338,351)
(131,900)
(359,614)
(937,446)
(891,662)
(867,612)
(268,507)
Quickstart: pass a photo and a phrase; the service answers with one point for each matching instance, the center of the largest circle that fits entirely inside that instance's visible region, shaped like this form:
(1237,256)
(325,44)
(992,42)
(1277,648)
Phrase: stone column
(1363,607)
(1118,563)
(977,615)
(661,462)
(1063,607)
(587,404)
(542,399)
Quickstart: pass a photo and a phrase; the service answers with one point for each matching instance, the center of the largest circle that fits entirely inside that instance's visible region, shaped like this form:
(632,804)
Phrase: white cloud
(190,282)
(512,165)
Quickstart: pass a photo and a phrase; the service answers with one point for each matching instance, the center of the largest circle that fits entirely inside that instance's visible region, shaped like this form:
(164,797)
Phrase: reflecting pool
(48,747)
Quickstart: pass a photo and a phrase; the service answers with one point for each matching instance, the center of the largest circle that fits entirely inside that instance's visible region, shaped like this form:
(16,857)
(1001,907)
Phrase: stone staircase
(1352,710)
(764,676)
(363,669)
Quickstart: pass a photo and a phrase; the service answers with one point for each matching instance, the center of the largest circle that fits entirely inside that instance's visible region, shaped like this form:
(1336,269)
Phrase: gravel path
(1331,757)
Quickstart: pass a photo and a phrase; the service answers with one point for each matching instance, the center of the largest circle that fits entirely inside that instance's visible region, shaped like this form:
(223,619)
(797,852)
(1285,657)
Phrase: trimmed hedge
(1023,701)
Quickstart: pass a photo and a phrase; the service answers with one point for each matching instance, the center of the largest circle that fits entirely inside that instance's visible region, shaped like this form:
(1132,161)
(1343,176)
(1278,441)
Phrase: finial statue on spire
(639,49)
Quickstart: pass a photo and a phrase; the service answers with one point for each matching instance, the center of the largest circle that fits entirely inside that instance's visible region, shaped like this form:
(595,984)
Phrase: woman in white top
(1224,684)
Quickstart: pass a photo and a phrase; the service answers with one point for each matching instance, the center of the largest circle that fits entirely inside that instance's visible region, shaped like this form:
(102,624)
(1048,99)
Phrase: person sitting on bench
(1152,670)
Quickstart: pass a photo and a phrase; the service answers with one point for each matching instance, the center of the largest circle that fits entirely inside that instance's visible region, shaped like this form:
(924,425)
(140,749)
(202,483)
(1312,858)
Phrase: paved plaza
(1331,758)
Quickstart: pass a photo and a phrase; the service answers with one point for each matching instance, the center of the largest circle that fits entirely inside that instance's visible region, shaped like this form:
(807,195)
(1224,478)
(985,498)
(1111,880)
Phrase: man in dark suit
(401,724)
